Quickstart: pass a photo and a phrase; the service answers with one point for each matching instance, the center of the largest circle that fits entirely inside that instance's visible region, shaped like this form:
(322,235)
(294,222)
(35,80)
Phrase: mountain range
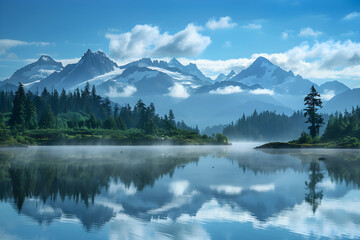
(194,97)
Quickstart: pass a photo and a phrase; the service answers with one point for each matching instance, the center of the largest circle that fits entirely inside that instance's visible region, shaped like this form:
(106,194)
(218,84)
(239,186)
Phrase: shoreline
(109,144)
(286,145)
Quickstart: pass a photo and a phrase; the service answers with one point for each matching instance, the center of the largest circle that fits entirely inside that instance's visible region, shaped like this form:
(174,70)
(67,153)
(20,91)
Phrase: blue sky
(317,39)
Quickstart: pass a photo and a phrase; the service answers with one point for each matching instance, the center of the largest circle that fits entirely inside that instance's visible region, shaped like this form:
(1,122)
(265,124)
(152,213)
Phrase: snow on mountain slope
(262,83)
(330,89)
(191,68)
(223,85)
(174,67)
(90,65)
(270,76)
(35,72)
(223,77)
(346,100)
(101,78)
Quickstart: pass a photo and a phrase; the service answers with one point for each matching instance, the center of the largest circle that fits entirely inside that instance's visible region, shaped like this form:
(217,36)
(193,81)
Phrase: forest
(83,117)
(341,129)
(266,126)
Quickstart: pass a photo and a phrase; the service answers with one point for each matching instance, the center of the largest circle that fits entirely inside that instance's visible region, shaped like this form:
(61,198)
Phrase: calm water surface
(222,192)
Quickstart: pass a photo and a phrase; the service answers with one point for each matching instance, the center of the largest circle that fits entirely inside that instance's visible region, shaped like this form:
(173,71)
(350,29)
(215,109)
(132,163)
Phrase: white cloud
(320,60)
(63,61)
(178,188)
(227,44)
(222,23)
(227,90)
(260,91)
(327,94)
(263,187)
(226,189)
(127,92)
(309,32)
(147,41)
(252,26)
(68,61)
(213,67)
(352,16)
(120,188)
(6,44)
(326,60)
(284,35)
(178,91)
(298,219)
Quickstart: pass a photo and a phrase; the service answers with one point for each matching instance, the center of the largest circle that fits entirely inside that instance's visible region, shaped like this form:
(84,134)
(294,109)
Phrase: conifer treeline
(52,110)
(343,125)
(266,126)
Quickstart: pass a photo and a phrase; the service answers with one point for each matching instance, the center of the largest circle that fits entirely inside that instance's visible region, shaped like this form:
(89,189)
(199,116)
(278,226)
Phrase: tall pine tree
(313,104)
(47,119)
(17,119)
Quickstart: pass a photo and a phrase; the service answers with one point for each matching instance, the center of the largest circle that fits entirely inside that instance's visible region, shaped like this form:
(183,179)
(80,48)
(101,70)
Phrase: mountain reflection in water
(172,191)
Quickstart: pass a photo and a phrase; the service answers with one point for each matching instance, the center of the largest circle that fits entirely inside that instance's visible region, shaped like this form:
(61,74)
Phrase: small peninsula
(341,131)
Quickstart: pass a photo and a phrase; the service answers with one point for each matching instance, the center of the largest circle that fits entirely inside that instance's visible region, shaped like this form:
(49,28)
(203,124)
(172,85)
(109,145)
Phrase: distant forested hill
(266,126)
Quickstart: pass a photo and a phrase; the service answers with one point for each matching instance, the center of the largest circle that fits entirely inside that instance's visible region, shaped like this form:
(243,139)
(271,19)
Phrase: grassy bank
(346,142)
(110,137)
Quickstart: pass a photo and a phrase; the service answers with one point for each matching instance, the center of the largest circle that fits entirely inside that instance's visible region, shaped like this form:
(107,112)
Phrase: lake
(178,192)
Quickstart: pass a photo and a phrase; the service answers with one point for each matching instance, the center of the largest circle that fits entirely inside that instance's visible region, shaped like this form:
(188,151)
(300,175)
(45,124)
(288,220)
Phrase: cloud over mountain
(148,41)
(309,32)
(222,23)
(321,60)
(6,44)
(352,16)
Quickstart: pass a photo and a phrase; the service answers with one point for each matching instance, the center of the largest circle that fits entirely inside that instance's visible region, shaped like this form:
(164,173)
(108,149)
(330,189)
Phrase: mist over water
(178,192)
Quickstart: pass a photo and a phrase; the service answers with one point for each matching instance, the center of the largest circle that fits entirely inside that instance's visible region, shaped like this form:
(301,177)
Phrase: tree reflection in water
(314,196)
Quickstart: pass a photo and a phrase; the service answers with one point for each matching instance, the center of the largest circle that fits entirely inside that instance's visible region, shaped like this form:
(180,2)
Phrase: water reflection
(179,191)
(314,196)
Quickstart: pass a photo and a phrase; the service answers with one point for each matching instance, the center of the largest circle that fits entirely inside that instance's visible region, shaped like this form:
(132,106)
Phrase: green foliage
(342,125)
(30,114)
(5,134)
(221,139)
(313,104)
(304,139)
(150,127)
(17,119)
(266,126)
(110,123)
(82,117)
(348,142)
(47,119)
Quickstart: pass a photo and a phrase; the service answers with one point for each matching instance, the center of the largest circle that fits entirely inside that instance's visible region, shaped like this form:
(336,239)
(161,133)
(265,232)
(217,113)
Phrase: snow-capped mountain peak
(45,58)
(35,72)
(91,64)
(175,63)
(223,77)
(270,76)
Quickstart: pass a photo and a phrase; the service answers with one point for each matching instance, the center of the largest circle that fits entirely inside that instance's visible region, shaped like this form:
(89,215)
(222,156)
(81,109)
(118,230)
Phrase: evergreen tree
(47,119)
(116,110)
(17,119)
(55,102)
(150,127)
(313,104)
(120,123)
(110,123)
(91,122)
(30,113)
(106,105)
(140,113)
(63,102)
(171,117)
